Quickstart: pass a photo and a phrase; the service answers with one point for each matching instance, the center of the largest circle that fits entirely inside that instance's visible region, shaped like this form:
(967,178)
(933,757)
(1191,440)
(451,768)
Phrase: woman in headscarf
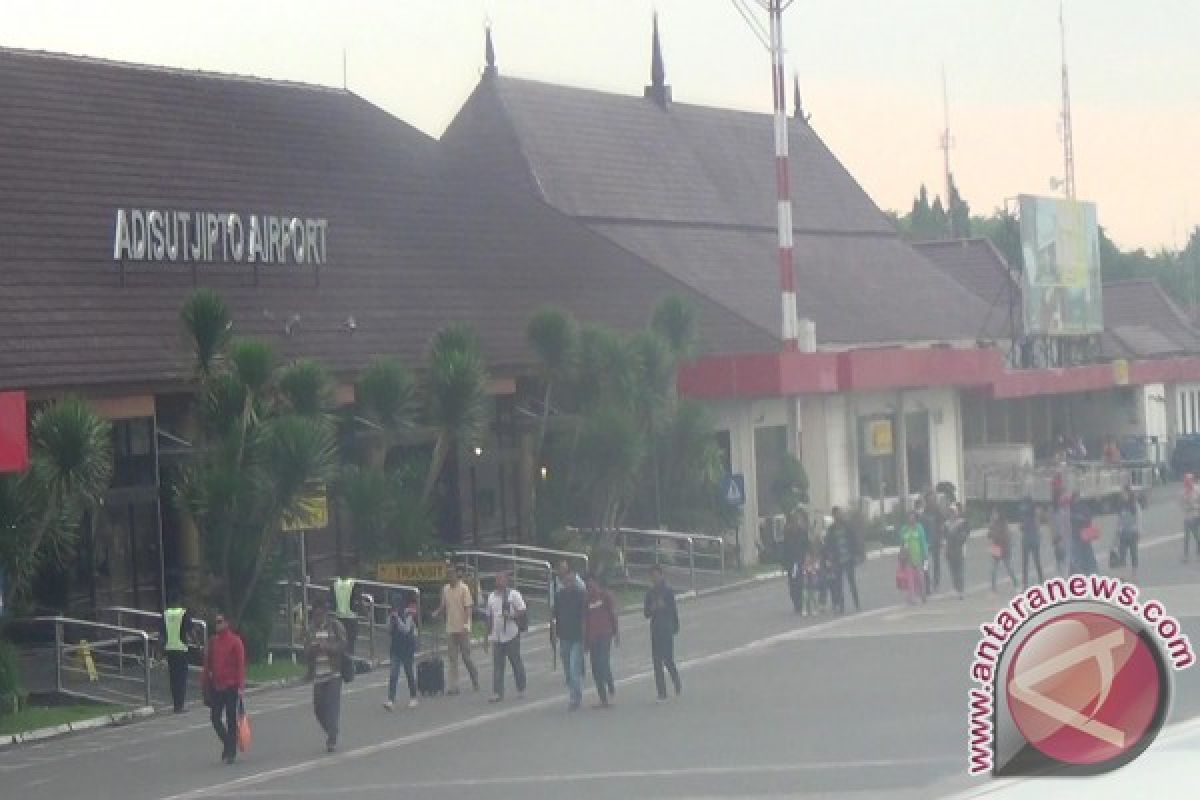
(1083,555)
(1191,515)
(910,567)
(1000,544)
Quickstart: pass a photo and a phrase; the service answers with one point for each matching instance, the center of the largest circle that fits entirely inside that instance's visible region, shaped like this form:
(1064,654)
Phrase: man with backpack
(507,619)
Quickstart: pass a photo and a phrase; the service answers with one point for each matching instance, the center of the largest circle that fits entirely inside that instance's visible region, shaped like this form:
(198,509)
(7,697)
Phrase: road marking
(473,722)
(636,774)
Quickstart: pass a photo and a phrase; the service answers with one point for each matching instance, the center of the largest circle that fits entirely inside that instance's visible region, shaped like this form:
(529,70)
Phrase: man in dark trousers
(660,609)
(795,552)
(223,679)
(570,605)
(176,623)
(847,545)
(933,521)
(324,649)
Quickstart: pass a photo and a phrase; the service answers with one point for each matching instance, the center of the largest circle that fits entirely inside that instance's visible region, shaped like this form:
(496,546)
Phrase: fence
(81,659)
(581,561)
(154,619)
(638,548)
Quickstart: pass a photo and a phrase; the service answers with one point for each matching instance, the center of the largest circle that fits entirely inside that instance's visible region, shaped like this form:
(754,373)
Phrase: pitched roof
(977,266)
(1142,321)
(409,248)
(691,190)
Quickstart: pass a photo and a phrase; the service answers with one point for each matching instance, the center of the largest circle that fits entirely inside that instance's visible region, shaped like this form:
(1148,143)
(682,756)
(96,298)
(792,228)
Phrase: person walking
(1083,534)
(223,679)
(956,539)
(1000,546)
(506,619)
(848,551)
(600,635)
(1031,540)
(402,630)
(1190,501)
(326,644)
(345,608)
(933,521)
(570,603)
(457,605)
(173,633)
(660,608)
(1129,529)
(913,551)
(796,548)
(831,567)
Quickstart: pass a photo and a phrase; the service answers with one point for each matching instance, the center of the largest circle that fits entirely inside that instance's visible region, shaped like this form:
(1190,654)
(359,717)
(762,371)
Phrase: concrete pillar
(901,448)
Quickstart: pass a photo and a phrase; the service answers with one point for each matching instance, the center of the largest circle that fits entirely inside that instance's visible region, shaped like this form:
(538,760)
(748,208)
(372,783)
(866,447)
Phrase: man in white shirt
(507,617)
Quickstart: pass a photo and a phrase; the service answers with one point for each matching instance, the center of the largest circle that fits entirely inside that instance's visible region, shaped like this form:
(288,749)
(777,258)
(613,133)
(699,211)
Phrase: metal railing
(530,551)
(121,612)
(656,550)
(90,650)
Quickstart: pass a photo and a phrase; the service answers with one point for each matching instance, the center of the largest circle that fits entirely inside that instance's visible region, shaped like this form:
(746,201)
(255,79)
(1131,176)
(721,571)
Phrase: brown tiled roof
(409,249)
(981,269)
(691,190)
(1142,321)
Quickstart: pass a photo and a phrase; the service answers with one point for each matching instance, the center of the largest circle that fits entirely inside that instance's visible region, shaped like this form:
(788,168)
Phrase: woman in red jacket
(599,635)
(223,680)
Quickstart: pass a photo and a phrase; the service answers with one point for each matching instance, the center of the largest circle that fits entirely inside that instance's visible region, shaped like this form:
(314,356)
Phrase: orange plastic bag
(245,734)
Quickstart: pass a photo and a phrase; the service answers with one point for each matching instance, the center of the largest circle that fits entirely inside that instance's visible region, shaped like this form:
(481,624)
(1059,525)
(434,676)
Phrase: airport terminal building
(336,231)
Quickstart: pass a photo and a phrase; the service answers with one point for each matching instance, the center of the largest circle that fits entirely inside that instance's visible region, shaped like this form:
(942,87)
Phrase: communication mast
(1067,137)
(947,140)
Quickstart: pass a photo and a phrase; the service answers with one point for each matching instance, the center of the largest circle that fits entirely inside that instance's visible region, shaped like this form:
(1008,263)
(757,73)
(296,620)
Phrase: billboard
(1061,286)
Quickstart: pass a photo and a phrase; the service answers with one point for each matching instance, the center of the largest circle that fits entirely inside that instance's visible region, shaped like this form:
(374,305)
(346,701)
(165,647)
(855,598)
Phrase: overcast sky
(869,70)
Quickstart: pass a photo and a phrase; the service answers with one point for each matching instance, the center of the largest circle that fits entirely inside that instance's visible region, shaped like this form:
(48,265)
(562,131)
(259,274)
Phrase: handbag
(1089,534)
(244,733)
(996,550)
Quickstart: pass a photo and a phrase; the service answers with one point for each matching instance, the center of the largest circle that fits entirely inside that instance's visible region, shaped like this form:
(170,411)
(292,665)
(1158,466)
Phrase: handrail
(121,611)
(622,535)
(535,562)
(528,548)
(60,621)
(367,598)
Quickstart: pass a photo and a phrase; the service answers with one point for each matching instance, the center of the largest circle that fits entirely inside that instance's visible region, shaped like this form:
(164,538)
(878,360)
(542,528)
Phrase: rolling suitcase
(431,672)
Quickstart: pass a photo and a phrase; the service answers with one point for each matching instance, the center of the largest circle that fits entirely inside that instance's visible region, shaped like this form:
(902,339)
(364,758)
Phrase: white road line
(571,778)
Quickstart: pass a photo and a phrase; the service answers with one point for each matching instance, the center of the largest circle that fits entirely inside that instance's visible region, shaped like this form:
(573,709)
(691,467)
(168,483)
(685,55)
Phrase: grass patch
(34,717)
(282,669)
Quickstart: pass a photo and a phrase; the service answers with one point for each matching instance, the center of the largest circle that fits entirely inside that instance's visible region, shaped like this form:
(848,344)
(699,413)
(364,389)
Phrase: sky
(870,74)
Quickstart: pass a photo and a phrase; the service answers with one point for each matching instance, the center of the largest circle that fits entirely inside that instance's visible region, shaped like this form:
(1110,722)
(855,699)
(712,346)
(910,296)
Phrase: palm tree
(456,394)
(613,448)
(306,388)
(295,456)
(674,320)
(70,469)
(207,324)
(386,398)
(551,333)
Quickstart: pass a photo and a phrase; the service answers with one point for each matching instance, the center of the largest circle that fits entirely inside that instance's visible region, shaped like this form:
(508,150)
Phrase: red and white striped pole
(787,272)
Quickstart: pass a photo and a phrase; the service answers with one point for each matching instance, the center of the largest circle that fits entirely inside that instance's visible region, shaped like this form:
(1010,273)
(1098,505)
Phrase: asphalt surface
(866,705)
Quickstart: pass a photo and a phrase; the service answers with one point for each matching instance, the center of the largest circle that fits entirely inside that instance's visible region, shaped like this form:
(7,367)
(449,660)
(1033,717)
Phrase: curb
(54,731)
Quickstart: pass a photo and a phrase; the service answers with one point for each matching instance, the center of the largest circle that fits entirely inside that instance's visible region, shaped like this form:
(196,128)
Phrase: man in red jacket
(223,679)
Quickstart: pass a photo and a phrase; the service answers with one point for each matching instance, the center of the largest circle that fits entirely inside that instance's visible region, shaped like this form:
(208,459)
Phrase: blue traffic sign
(733,489)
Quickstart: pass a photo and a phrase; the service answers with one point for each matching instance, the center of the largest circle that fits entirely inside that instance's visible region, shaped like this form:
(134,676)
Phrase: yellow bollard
(89,663)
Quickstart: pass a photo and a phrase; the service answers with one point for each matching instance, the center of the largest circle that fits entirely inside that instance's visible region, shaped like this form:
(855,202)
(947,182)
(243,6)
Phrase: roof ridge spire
(799,110)
(658,90)
(489,52)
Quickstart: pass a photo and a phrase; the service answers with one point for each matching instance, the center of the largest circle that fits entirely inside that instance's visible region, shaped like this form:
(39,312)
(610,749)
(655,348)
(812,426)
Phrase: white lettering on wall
(218,236)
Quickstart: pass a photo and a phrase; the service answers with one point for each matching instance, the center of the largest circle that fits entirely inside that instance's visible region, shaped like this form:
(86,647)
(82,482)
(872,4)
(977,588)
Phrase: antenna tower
(1067,136)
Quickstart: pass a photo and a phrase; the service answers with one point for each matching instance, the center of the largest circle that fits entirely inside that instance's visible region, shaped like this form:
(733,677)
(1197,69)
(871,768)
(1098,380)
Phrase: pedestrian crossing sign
(733,489)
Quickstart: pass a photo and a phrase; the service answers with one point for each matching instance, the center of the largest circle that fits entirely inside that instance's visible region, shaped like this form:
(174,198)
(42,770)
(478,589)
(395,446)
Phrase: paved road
(867,705)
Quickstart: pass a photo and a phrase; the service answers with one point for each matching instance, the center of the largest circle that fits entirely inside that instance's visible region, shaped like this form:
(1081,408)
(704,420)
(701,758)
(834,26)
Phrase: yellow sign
(1120,372)
(89,663)
(411,571)
(879,437)
(312,515)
